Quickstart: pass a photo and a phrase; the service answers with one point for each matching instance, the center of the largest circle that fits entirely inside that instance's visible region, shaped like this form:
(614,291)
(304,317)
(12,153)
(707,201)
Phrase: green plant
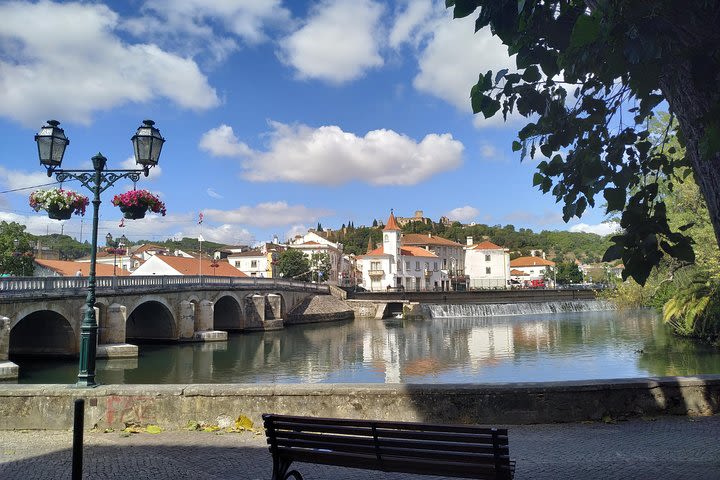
(60,199)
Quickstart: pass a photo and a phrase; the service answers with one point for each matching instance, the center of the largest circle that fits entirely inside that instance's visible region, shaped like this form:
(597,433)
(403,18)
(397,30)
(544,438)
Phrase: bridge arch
(283,305)
(228,313)
(151,319)
(43,332)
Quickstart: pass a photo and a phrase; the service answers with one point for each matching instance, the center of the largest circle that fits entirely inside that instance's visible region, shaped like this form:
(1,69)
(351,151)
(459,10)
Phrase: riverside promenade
(666,447)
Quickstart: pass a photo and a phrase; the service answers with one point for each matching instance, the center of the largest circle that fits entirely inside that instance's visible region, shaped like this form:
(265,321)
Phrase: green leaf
(532,74)
(500,74)
(463,8)
(585,31)
(613,253)
(615,198)
(516,146)
(538,179)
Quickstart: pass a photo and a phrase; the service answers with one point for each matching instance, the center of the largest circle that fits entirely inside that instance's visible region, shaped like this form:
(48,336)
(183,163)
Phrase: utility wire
(28,188)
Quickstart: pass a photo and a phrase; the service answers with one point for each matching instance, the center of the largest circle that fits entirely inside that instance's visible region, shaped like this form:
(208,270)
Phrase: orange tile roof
(391,224)
(420,239)
(406,251)
(190,266)
(531,262)
(486,246)
(69,269)
(518,273)
(416,252)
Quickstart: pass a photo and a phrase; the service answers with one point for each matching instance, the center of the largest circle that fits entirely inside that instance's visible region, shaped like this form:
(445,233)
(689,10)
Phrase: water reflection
(570,346)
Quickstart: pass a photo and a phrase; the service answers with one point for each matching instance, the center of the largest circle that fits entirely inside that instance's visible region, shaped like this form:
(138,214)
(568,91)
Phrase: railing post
(77,445)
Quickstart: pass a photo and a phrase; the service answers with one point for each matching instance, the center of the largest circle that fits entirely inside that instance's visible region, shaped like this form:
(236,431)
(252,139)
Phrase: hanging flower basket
(58,203)
(135,203)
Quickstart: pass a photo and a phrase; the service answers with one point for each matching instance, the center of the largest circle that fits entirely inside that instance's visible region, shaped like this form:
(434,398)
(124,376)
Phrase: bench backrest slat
(298,437)
(482,436)
(351,422)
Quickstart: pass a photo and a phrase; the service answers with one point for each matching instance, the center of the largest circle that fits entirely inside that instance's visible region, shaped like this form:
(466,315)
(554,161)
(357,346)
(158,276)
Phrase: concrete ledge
(8,370)
(117,350)
(172,406)
(210,336)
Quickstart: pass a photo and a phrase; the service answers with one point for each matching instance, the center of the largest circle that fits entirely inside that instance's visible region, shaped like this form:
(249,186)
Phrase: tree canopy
(16,257)
(294,265)
(590,75)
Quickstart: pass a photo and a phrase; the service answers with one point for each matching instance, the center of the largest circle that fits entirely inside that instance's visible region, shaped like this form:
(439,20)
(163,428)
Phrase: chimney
(469,240)
(429,235)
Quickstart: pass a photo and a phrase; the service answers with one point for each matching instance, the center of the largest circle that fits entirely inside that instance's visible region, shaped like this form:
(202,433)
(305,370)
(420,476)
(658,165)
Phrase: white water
(502,309)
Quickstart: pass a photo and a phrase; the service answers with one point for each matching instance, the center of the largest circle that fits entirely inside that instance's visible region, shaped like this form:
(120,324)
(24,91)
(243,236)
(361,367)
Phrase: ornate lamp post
(51,142)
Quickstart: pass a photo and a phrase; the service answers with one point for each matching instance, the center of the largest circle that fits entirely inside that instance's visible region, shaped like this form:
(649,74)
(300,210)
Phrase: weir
(507,309)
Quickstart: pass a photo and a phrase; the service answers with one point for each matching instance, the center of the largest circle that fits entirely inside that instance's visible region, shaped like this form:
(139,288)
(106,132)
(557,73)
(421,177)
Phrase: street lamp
(51,142)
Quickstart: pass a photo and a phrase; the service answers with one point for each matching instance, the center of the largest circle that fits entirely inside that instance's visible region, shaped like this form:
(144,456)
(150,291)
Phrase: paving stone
(664,448)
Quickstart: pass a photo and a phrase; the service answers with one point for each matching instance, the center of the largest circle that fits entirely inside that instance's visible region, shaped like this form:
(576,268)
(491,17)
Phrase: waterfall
(501,309)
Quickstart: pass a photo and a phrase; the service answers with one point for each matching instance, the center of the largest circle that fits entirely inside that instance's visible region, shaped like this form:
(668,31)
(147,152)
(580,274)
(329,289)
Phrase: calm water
(570,346)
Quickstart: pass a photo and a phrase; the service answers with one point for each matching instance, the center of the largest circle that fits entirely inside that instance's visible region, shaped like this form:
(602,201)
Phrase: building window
(386,237)
(487,258)
(435,265)
(375,266)
(417,266)
(407,266)
(253,263)
(444,263)
(487,270)
(237,263)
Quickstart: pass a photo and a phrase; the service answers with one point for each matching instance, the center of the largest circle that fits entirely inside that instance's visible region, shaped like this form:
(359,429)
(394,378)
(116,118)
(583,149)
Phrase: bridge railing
(10,286)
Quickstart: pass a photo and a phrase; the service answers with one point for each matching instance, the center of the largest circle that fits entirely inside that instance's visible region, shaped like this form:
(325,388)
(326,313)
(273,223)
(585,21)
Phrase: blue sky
(277,115)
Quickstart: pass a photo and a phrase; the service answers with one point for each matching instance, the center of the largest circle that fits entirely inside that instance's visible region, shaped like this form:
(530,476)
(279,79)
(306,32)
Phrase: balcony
(376,273)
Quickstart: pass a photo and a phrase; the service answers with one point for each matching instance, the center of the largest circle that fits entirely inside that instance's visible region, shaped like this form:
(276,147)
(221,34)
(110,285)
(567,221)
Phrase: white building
(535,269)
(451,256)
(311,243)
(171,265)
(487,265)
(259,262)
(396,266)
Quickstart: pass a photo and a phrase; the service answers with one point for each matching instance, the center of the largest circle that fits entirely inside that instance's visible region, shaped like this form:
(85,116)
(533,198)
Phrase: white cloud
(410,21)
(338,43)
(488,151)
(454,57)
(463,214)
(222,142)
(330,156)
(130,164)
(193,26)
(90,67)
(212,193)
(604,228)
(270,214)
(296,230)
(15,179)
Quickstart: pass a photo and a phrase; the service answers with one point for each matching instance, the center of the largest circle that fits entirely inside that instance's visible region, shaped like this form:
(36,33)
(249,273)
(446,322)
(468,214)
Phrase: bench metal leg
(280,470)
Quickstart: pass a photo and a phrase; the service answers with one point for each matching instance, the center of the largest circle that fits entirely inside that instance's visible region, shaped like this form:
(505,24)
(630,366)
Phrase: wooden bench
(464,451)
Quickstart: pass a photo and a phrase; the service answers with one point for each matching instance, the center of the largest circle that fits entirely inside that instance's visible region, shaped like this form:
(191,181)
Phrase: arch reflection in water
(571,346)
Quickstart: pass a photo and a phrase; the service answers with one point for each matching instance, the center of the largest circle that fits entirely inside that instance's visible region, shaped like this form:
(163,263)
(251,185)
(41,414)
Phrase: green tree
(567,272)
(293,264)
(16,255)
(320,266)
(589,76)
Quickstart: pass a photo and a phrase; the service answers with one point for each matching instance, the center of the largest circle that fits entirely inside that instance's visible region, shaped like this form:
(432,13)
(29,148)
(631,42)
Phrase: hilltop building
(258,262)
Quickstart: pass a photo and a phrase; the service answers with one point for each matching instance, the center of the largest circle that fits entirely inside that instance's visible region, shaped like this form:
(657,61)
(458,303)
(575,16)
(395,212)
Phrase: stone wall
(320,308)
(173,406)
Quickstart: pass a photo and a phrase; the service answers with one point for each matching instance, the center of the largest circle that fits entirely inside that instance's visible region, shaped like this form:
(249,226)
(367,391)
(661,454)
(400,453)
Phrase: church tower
(391,241)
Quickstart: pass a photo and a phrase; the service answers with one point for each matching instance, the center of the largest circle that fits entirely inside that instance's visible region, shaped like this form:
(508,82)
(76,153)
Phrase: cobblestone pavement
(664,448)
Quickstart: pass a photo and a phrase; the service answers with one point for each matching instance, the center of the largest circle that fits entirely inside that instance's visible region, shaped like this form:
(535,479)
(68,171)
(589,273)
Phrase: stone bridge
(42,315)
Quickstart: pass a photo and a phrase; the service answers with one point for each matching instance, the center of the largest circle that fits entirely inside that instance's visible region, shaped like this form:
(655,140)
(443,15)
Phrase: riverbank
(173,406)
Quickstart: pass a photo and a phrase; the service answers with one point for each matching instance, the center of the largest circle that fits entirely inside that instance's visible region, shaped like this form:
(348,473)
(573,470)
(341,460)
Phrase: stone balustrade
(13,287)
